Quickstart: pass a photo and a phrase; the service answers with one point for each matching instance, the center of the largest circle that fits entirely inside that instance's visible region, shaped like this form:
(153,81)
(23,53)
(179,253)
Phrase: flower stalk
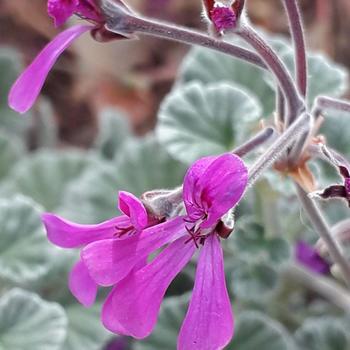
(277,67)
(128,22)
(301,125)
(320,224)
(296,28)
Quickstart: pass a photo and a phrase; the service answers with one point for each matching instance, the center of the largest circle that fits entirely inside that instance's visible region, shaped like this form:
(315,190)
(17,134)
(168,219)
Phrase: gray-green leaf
(27,322)
(326,333)
(142,165)
(44,175)
(255,331)
(198,120)
(113,132)
(24,250)
(85,330)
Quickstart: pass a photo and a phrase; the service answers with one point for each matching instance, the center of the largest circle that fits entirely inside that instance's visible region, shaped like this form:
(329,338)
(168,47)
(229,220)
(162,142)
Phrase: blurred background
(91,134)
(134,76)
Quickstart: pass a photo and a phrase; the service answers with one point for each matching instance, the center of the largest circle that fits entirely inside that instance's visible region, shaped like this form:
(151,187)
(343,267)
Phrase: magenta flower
(308,256)
(224,17)
(212,186)
(66,234)
(27,87)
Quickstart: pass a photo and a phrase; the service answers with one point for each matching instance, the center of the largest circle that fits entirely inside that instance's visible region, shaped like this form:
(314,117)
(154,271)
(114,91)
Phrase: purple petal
(66,234)
(27,87)
(209,320)
(133,305)
(214,185)
(134,208)
(82,285)
(109,261)
(61,10)
(191,197)
(306,255)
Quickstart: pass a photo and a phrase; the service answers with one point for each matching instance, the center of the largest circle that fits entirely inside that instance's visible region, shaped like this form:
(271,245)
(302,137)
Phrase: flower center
(122,231)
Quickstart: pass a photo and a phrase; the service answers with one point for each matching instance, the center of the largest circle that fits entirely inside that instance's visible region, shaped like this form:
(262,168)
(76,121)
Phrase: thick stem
(323,286)
(254,142)
(321,227)
(120,21)
(277,67)
(302,124)
(296,26)
(323,102)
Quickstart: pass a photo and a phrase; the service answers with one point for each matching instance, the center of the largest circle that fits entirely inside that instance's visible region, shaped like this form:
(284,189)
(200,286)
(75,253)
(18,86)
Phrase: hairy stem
(277,67)
(301,125)
(254,142)
(323,286)
(124,22)
(280,109)
(323,102)
(296,26)
(321,227)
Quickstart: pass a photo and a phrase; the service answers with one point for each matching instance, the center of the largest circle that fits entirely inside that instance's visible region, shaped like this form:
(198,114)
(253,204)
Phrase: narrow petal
(133,305)
(82,285)
(110,260)
(208,324)
(27,87)
(60,10)
(133,207)
(66,234)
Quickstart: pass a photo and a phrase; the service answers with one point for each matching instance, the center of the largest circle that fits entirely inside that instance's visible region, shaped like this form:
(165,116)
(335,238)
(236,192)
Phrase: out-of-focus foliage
(215,105)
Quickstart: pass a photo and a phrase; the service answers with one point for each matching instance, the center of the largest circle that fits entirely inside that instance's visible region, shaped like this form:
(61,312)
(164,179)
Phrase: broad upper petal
(109,261)
(208,324)
(134,208)
(67,234)
(222,186)
(81,285)
(27,87)
(133,305)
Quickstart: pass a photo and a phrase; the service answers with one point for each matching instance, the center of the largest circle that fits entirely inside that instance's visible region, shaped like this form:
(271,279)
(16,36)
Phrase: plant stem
(280,109)
(254,142)
(296,26)
(319,284)
(321,227)
(302,124)
(277,67)
(120,21)
(323,102)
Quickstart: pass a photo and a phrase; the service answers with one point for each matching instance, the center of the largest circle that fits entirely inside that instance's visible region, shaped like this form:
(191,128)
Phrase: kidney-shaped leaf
(28,322)
(255,330)
(44,175)
(207,66)
(11,151)
(326,333)
(325,77)
(85,330)
(24,250)
(197,120)
(141,166)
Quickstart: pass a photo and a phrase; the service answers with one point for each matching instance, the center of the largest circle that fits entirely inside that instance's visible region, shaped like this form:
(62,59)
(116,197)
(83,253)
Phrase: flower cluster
(117,252)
